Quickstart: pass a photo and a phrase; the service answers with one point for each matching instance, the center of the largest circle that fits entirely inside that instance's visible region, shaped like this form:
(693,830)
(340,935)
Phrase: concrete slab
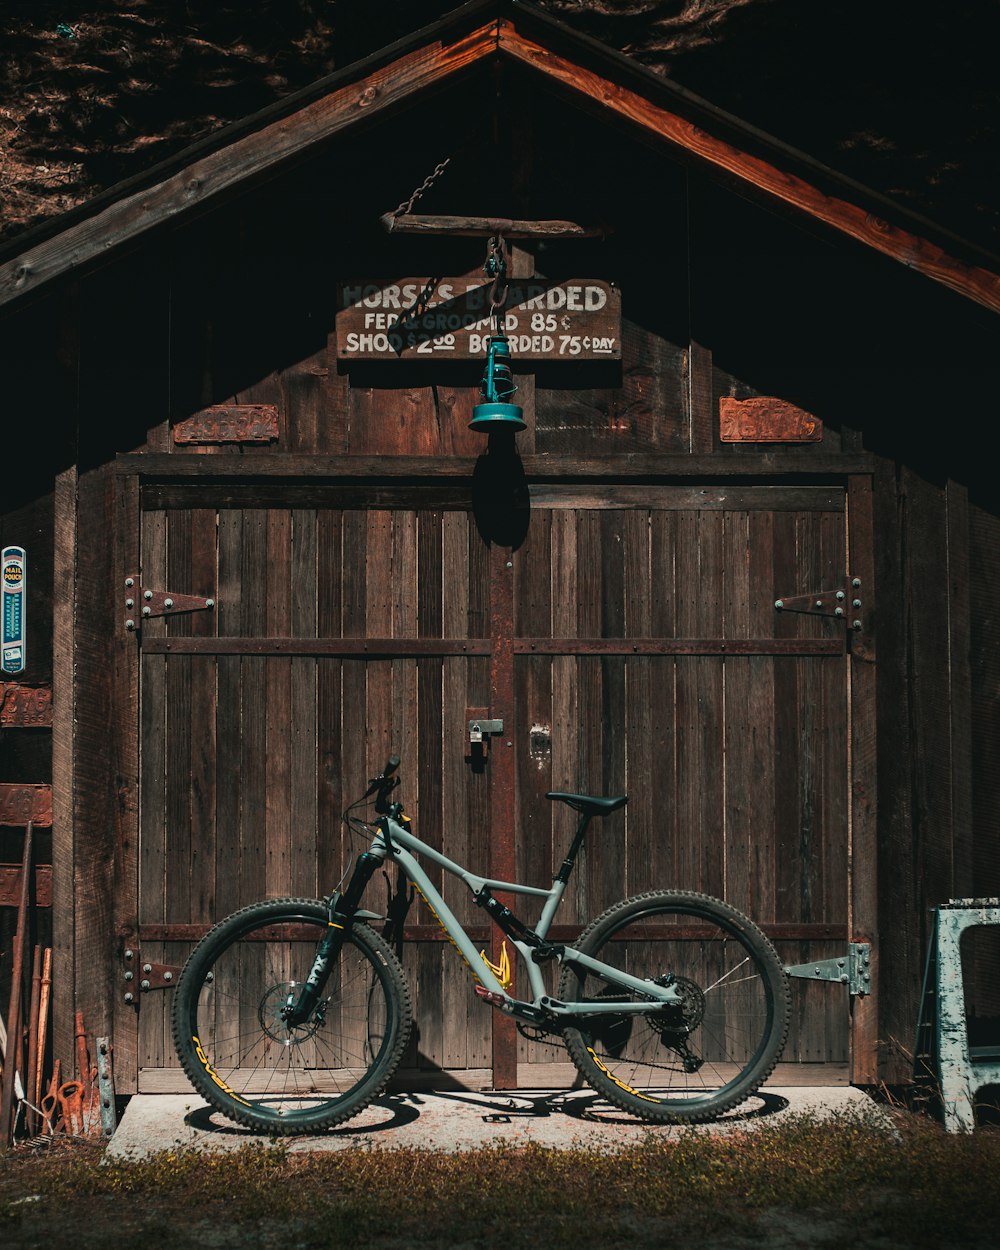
(456,1120)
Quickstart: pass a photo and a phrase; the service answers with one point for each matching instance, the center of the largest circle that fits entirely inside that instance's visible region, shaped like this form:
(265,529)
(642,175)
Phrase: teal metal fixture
(496,413)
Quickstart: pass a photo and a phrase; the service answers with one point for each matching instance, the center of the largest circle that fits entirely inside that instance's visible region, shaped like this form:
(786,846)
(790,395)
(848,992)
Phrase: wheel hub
(273,1010)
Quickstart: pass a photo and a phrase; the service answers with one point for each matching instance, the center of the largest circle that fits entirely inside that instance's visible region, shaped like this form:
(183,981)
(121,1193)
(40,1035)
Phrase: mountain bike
(291,1015)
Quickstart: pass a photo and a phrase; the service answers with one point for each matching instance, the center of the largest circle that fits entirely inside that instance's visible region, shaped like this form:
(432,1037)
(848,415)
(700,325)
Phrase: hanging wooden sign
(12,649)
(449,319)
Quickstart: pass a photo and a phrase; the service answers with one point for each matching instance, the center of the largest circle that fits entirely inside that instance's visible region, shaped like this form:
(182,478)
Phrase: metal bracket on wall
(142,603)
(852,969)
(141,977)
(844,602)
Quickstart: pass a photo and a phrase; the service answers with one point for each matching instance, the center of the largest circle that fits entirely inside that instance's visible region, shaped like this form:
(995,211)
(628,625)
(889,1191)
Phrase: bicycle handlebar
(383,783)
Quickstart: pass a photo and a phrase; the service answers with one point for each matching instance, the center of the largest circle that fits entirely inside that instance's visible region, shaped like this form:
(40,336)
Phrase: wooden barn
(238,393)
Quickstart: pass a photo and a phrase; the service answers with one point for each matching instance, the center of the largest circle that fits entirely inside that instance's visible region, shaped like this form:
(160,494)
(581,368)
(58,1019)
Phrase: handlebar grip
(383,781)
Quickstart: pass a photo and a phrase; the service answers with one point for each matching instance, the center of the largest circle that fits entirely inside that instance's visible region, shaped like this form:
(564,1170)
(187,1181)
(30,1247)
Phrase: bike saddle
(588,803)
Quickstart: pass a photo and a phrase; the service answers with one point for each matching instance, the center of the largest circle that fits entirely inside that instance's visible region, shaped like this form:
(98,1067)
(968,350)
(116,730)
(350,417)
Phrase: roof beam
(980,285)
(240,162)
(208,179)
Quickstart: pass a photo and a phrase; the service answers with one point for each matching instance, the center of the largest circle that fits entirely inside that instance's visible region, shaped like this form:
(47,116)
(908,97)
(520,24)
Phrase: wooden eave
(237,157)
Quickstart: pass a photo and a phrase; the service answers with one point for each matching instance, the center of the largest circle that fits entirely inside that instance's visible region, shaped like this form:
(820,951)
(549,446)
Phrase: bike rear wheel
(235,1045)
(693,1060)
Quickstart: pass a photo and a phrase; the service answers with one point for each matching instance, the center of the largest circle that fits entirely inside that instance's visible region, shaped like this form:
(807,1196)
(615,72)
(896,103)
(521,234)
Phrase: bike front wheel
(694,1059)
(233,1040)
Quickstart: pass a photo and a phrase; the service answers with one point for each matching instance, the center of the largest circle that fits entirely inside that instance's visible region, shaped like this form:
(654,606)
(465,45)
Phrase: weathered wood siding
(190,779)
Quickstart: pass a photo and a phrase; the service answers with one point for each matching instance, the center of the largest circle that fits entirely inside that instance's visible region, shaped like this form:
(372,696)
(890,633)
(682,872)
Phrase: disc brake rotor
(271,1010)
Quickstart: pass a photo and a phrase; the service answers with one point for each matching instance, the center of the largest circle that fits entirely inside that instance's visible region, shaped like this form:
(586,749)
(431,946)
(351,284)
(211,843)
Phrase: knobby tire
(695,1060)
(235,1046)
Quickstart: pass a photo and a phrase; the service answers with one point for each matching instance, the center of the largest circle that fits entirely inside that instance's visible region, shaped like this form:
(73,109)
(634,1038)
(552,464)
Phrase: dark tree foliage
(902,98)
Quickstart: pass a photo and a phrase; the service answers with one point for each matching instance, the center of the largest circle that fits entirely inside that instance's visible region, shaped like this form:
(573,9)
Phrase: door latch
(481,727)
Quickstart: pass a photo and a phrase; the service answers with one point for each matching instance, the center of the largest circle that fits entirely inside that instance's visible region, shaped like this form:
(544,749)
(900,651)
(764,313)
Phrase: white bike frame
(405,846)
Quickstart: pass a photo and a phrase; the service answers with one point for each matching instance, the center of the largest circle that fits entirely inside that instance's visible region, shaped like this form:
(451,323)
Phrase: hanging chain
(496,268)
(406,206)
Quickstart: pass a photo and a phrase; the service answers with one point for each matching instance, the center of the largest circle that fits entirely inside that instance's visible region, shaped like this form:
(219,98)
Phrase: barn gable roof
(607,82)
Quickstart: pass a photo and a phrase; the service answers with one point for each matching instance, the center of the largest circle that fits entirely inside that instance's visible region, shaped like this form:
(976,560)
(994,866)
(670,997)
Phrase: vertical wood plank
(178,883)
(304,775)
(765,713)
(331,745)
(64,695)
(227,717)
(252,855)
(278,728)
(700,399)
(961,731)
(502,863)
(204,700)
(154,792)
(863,915)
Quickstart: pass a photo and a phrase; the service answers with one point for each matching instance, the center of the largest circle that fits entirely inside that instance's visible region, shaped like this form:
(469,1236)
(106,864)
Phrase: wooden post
(501,781)
(863,864)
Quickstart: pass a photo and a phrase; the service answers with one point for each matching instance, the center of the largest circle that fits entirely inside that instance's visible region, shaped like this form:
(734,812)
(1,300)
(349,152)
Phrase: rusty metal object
(31,1068)
(141,976)
(89,1099)
(24,804)
(49,1105)
(106,1086)
(43,1022)
(82,1058)
(14,1009)
(844,602)
(25,707)
(10,885)
(230,423)
(143,602)
(765,419)
(70,1104)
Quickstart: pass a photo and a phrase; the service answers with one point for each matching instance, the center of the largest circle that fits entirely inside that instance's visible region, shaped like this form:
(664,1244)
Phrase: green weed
(852,1179)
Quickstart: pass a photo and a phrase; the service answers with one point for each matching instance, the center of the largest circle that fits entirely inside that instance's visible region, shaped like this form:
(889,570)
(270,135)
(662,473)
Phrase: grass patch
(844,1181)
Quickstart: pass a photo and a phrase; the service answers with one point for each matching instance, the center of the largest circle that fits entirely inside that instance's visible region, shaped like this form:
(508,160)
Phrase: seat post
(567,865)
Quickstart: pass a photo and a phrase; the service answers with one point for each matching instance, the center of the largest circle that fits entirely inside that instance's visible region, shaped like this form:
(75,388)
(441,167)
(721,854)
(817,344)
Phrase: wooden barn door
(347,624)
(650,659)
(629,643)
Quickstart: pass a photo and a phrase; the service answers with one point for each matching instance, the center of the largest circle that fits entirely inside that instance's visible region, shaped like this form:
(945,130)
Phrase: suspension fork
(338,926)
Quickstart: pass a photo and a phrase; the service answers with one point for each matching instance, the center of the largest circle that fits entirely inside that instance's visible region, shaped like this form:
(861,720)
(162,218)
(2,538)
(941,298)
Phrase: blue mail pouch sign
(12,649)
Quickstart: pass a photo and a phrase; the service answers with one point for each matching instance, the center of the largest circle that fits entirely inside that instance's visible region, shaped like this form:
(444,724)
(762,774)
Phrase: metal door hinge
(844,602)
(141,976)
(852,969)
(142,603)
